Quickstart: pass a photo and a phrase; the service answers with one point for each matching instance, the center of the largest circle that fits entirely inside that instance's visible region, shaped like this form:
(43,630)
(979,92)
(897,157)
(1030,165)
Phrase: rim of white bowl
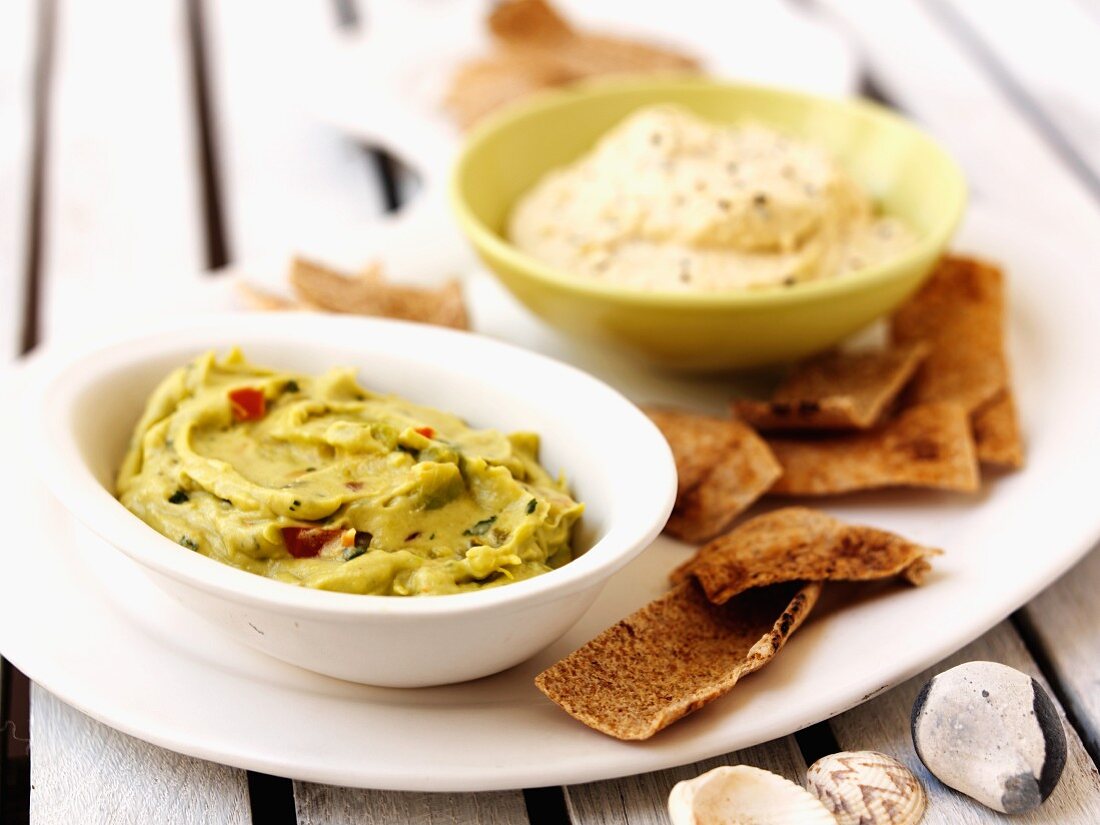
(66,475)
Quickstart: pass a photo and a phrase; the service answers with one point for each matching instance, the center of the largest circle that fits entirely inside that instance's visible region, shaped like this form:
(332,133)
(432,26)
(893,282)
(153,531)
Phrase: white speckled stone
(991,732)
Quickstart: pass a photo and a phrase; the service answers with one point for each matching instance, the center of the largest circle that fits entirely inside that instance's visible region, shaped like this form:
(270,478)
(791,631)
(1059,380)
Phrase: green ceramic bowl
(907,173)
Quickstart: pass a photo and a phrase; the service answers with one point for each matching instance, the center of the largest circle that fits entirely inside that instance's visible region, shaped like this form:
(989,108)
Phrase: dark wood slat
(218,253)
(386,167)
(872,88)
(40,98)
(271,799)
(387,170)
(546,806)
(15,766)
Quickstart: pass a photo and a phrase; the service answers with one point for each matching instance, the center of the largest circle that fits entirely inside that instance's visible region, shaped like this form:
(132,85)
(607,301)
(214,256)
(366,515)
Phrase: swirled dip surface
(668,201)
(318,482)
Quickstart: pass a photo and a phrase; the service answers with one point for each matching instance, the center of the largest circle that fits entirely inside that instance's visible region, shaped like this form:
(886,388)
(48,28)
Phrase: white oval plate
(83,621)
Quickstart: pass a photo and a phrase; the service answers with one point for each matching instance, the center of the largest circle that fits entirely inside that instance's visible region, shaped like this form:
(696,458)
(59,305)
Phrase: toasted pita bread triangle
(673,656)
(799,544)
(926,446)
(959,314)
(723,467)
(838,390)
(480,86)
(368,293)
(537,48)
(527,21)
(997,432)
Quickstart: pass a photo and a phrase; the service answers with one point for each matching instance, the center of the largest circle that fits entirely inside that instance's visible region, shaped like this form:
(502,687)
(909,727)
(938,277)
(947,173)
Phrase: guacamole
(318,482)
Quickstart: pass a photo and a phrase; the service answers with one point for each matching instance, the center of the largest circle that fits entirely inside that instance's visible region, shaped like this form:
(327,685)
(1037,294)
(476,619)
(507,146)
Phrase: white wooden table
(145,142)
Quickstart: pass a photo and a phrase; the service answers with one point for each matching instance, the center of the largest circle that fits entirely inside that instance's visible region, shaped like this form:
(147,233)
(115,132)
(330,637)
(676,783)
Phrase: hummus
(318,482)
(668,201)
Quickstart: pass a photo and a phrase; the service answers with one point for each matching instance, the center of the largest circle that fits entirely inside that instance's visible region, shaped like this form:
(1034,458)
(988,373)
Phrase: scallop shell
(867,788)
(743,795)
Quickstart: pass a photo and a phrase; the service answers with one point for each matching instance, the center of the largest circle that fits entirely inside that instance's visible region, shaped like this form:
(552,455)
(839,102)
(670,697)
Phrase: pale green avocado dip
(318,482)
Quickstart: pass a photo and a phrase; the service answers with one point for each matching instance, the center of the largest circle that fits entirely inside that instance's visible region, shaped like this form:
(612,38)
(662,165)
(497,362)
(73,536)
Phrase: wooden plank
(943,76)
(122,228)
(122,232)
(642,800)
(1064,624)
(18,40)
(292,183)
(295,184)
(883,725)
(1008,162)
(327,805)
(1047,54)
(17,55)
(82,771)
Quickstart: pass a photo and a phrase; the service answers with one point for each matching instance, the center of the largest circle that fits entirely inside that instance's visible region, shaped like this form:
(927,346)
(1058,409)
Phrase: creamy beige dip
(669,201)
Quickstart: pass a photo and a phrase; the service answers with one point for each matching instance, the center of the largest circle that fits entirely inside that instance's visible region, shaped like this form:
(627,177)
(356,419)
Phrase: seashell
(867,788)
(992,732)
(743,795)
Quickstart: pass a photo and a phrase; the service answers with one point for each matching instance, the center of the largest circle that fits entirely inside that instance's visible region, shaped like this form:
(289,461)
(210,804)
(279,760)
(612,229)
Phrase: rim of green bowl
(493,244)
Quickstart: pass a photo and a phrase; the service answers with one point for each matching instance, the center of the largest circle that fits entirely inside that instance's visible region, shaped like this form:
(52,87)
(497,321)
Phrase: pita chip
(800,544)
(929,445)
(997,432)
(723,466)
(518,22)
(536,48)
(674,656)
(959,314)
(368,293)
(480,86)
(838,390)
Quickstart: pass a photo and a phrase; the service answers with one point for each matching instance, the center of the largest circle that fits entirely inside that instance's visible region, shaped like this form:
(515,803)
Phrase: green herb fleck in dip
(318,482)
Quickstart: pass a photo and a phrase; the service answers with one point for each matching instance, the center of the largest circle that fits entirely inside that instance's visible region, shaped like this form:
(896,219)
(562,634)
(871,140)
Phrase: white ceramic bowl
(83,403)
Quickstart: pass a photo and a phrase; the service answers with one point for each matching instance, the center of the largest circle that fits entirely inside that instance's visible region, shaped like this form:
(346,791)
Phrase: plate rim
(476,778)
